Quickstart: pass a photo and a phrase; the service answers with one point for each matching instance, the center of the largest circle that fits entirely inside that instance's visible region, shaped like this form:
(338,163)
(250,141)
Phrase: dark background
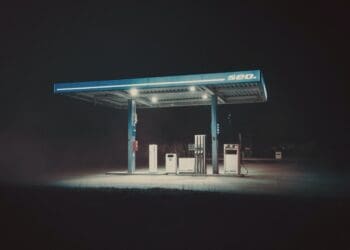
(301,47)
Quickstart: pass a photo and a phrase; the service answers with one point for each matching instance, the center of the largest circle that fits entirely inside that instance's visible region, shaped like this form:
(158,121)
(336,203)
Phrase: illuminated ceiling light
(134,92)
(192,88)
(205,96)
(154,99)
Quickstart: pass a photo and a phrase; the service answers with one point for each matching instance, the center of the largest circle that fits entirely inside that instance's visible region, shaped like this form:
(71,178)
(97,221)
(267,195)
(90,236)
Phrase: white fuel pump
(170,163)
(232,159)
(199,154)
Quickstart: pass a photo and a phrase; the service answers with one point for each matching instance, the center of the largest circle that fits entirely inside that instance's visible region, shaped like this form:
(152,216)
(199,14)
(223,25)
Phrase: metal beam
(94,102)
(127,96)
(214,138)
(211,92)
(131,134)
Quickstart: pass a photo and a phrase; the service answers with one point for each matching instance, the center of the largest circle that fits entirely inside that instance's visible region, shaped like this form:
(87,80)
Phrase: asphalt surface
(68,212)
(271,178)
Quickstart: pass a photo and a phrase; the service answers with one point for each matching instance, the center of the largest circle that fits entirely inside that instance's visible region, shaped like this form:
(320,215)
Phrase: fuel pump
(232,159)
(199,154)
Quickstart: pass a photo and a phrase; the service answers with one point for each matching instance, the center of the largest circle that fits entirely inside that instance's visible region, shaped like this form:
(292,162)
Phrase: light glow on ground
(263,178)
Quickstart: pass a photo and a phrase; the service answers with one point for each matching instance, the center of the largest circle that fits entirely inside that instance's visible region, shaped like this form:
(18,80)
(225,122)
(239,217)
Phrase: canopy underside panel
(230,88)
(173,97)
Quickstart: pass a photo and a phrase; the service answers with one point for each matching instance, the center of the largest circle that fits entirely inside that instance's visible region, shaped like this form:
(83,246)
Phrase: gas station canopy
(171,91)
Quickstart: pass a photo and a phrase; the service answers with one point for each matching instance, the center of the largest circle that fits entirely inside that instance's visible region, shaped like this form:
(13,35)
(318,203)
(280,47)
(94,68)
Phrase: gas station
(176,91)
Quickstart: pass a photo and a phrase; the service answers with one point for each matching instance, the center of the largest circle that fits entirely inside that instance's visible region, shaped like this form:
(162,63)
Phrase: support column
(214,137)
(131,134)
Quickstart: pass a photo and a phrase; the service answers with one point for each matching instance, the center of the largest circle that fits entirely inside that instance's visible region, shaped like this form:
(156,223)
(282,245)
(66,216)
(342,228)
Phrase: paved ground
(277,206)
(262,178)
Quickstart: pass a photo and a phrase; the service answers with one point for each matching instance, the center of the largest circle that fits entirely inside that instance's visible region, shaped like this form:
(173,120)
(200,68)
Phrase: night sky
(302,49)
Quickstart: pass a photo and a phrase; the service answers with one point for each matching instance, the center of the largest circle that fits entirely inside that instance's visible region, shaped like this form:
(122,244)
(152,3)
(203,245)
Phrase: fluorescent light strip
(140,84)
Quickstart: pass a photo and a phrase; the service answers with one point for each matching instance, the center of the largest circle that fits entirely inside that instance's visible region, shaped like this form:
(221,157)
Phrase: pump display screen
(231,151)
